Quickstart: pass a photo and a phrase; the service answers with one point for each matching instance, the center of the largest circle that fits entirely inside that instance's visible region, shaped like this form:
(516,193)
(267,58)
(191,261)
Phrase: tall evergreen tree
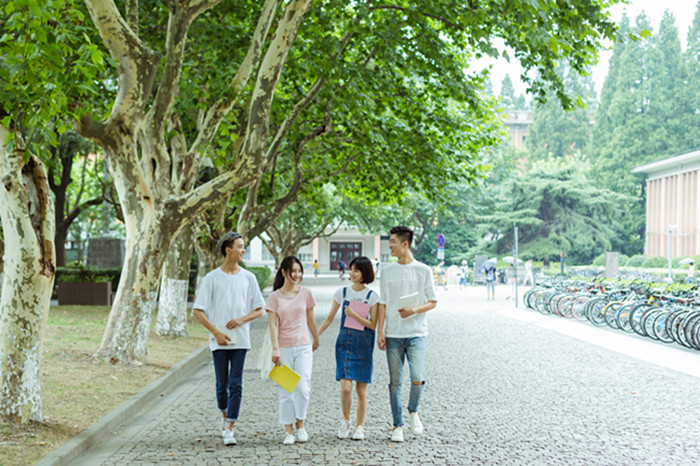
(558,133)
(667,106)
(692,83)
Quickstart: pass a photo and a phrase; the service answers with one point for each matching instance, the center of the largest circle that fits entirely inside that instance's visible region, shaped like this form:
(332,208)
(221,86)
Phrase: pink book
(362,309)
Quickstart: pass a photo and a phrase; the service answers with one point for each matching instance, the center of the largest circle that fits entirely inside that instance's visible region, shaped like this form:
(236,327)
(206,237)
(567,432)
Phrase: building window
(306,257)
(266,256)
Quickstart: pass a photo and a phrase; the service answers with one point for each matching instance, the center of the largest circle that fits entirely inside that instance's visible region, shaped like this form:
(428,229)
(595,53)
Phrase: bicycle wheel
(692,330)
(563,305)
(594,311)
(610,314)
(577,307)
(658,326)
(623,318)
(648,321)
(674,324)
(635,317)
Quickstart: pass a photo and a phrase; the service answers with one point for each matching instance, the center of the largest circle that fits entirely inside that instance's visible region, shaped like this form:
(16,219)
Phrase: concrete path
(504,386)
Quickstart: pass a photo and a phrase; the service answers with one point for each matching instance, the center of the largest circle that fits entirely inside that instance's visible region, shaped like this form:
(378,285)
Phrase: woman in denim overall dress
(354,348)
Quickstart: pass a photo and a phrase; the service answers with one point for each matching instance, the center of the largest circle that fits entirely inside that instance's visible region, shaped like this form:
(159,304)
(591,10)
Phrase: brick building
(673,205)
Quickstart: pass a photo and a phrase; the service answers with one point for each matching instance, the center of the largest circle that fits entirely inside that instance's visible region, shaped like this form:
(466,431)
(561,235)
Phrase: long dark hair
(286,265)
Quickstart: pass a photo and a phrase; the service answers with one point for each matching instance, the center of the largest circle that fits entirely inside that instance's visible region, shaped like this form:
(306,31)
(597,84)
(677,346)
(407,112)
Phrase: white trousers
(293,406)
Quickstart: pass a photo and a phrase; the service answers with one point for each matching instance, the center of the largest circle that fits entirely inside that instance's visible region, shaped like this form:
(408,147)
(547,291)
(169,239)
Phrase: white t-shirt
(223,297)
(352,295)
(401,280)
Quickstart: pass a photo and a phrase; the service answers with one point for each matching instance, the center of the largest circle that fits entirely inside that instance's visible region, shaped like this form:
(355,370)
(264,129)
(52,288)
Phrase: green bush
(623,260)
(600,260)
(636,261)
(262,275)
(656,262)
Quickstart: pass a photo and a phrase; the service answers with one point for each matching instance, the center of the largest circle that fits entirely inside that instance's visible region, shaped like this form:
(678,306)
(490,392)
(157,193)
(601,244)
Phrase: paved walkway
(504,386)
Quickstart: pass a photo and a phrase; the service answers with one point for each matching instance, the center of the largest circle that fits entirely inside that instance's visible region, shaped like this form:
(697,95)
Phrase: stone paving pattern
(498,391)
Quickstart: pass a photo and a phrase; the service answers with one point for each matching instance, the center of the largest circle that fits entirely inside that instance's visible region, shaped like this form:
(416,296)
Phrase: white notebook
(231,333)
(410,300)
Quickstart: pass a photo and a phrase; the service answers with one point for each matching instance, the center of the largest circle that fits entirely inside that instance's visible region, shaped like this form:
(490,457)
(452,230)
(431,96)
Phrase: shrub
(600,260)
(636,261)
(656,262)
(262,275)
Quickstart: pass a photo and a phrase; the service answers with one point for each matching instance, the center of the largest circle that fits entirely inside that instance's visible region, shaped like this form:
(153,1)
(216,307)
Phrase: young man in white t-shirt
(228,300)
(401,330)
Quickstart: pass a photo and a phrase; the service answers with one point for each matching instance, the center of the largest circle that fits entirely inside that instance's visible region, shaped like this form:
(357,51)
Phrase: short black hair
(404,233)
(227,241)
(364,265)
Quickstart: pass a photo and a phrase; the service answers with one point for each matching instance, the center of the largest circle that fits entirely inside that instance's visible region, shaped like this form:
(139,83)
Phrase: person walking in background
(440,274)
(463,275)
(228,300)
(290,312)
(341,269)
(354,346)
(406,294)
(510,281)
(316,270)
(490,273)
(529,278)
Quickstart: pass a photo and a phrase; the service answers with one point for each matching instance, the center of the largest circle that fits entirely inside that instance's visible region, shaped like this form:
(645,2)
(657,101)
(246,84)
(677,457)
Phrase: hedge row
(89,274)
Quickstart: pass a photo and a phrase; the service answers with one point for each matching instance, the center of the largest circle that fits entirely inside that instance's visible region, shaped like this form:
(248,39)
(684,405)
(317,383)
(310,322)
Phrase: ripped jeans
(398,349)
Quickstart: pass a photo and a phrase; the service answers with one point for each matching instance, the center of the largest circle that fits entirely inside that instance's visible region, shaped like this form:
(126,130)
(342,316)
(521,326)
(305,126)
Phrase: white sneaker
(288,439)
(397,434)
(344,429)
(359,433)
(229,439)
(416,425)
(302,435)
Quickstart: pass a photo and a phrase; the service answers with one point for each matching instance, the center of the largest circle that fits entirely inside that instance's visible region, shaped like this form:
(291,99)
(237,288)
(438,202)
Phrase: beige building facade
(673,206)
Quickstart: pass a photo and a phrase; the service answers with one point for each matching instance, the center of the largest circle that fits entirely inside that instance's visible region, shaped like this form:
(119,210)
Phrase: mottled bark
(154,181)
(172,298)
(27,215)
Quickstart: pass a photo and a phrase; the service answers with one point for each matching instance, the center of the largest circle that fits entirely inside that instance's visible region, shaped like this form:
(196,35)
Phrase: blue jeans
(228,367)
(398,349)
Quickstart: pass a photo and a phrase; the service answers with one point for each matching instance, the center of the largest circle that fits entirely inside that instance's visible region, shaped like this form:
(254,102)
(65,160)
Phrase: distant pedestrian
(463,275)
(316,267)
(376,268)
(341,269)
(529,278)
(228,300)
(440,274)
(511,278)
(290,312)
(490,275)
(354,347)
(406,294)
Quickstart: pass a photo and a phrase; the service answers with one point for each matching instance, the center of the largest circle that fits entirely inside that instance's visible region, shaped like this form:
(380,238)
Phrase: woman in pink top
(290,310)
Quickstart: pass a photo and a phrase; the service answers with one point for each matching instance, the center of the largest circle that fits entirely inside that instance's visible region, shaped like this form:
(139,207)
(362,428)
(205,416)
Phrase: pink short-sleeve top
(293,329)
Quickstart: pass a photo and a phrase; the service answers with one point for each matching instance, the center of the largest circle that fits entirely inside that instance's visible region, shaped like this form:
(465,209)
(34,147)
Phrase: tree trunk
(26,211)
(129,322)
(208,258)
(172,301)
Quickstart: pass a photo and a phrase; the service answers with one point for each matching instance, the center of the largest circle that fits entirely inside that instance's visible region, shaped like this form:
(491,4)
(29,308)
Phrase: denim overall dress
(353,349)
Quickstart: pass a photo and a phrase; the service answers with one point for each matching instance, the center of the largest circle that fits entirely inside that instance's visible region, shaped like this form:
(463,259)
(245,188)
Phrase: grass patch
(76,390)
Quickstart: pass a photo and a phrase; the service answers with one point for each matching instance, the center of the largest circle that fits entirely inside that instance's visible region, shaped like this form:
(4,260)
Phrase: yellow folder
(285,377)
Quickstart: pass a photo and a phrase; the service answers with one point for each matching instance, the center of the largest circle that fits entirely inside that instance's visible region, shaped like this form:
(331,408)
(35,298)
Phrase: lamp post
(671,229)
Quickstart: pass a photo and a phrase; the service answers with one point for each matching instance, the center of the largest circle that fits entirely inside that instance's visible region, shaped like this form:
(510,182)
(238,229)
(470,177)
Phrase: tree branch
(422,13)
(137,64)
(209,122)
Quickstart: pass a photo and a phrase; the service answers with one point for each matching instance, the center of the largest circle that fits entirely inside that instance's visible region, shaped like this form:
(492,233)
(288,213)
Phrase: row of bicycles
(669,313)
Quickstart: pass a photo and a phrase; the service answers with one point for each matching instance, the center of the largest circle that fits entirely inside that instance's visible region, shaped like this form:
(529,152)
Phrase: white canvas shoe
(416,425)
(397,434)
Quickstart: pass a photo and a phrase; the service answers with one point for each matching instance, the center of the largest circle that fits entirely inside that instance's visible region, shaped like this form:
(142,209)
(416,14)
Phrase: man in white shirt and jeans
(401,331)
